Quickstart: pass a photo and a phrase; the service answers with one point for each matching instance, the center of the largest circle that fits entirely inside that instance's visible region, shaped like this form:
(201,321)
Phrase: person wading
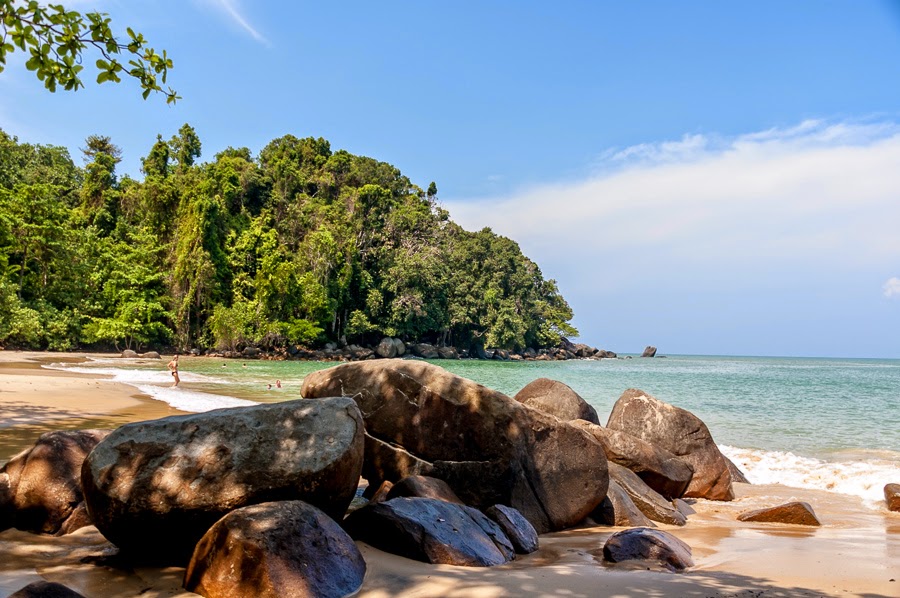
(173,367)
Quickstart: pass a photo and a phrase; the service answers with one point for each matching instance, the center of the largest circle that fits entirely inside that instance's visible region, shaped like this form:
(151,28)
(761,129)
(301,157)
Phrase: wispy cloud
(892,287)
(231,9)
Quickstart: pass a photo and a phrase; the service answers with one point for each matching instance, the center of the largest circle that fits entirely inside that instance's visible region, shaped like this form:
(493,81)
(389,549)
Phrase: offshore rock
(649,351)
(40,488)
(797,513)
(681,433)
(489,448)
(286,549)
(557,399)
(431,531)
(645,544)
(155,487)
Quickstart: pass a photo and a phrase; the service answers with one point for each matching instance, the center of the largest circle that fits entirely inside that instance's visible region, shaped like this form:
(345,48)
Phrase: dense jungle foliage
(299,245)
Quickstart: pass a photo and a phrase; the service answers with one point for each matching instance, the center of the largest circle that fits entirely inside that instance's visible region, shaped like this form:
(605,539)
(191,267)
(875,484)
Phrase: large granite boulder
(681,433)
(431,531)
(556,399)
(661,470)
(796,513)
(425,351)
(618,510)
(40,488)
(423,487)
(521,533)
(489,448)
(285,549)
(154,488)
(645,544)
(386,348)
(892,496)
(645,498)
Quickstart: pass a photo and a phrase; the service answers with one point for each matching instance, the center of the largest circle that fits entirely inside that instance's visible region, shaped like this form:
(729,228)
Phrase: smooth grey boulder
(447,353)
(892,496)
(645,498)
(681,433)
(557,399)
(661,470)
(129,354)
(521,533)
(489,448)
(386,348)
(40,488)
(423,487)
(154,488)
(431,531)
(400,346)
(645,544)
(285,549)
(795,513)
(618,510)
(425,351)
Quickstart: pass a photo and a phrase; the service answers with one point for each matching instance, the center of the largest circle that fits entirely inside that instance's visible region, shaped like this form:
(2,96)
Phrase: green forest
(300,245)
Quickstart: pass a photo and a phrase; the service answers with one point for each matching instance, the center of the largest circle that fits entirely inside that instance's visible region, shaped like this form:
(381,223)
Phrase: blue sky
(708,177)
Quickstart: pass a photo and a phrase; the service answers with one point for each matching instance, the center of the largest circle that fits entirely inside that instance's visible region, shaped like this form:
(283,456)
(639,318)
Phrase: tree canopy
(299,245)
(56,40)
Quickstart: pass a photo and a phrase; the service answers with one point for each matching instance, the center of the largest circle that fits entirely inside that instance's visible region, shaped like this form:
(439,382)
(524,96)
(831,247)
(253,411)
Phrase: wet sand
(856,552)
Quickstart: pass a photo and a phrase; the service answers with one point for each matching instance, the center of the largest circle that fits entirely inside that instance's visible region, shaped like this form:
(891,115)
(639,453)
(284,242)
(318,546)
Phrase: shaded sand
(855,553)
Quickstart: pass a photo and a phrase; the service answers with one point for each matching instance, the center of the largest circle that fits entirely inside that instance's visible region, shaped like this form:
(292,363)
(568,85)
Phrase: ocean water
(829,424)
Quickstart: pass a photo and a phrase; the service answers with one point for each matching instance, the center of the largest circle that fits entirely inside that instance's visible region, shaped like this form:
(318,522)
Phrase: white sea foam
(858,477)
(189,400)
(135,376)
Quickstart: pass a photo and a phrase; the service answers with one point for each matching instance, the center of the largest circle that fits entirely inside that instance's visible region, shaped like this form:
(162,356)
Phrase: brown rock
(796,513)
(892,496)
(520,532)
(40,488)
(556,399)
(645,544)
(489,448)
(681,433)
(286,549)
(645,498)
(619,510)
(155,487)
(649,351)
(423,487)
(661,470)
(736,474)
(432,531)
(385,461)
(380,493)
(45,589)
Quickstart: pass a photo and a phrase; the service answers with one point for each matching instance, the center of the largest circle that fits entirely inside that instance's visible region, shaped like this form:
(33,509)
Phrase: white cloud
(231,9)
(892,287)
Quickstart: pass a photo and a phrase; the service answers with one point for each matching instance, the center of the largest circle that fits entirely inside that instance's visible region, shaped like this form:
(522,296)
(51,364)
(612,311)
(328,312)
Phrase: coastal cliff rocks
(556,399)
(661,470)
(286,549)
(681,433)
(489,448)
(892,496)
(617,509)
(645,544)
(521,533)
(796,513)
(647,500)
(431,531)
(40,488)
(423,487)
(154,488)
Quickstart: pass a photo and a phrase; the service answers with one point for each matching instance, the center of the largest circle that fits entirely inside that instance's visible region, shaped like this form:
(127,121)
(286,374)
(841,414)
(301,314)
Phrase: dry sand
(855,553)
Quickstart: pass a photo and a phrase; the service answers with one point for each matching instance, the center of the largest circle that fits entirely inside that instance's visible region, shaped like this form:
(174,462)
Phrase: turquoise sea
(832,424)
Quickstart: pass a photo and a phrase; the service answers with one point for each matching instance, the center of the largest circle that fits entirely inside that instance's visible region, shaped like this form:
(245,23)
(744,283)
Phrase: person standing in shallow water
(173,367)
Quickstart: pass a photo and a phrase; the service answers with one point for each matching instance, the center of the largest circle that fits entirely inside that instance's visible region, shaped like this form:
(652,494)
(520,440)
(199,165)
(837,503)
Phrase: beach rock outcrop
(45,589)
(645,498)
(423,487)
(796,513)
(155,487)
(521,533)
(617,509)
(273,550)
(432,531)
(425,351)
(556,399)
(892,496)
(40,488)
(489,448)
(661,470)
(679,432)
(129,354)
(649,351)
(645,544)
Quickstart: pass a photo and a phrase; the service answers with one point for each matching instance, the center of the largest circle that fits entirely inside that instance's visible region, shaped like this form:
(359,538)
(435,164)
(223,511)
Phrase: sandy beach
(856,552)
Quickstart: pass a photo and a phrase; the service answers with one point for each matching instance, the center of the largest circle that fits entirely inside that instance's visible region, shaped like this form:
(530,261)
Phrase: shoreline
(855,552)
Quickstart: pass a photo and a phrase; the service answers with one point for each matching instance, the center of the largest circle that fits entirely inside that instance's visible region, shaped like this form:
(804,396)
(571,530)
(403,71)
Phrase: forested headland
(300,245)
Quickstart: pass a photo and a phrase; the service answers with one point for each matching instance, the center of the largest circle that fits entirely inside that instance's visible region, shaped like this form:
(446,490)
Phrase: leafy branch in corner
(55,38)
